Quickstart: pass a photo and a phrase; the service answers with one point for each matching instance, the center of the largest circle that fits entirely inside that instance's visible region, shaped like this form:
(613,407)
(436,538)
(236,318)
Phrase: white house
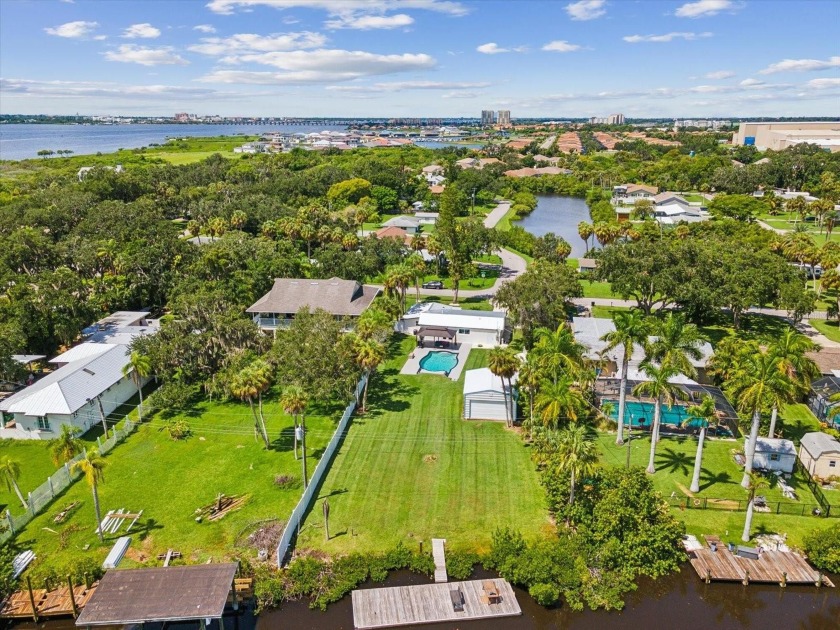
(411,224)
(83,172)
(86,385)
(477,328)
(774,454)
(485,397)
(426,218)
(79,394)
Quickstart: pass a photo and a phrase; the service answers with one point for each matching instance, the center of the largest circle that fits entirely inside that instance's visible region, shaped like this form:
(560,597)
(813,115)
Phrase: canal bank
(561,215)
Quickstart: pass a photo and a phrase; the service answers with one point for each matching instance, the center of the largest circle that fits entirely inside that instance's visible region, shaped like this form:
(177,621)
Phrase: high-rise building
(615,119)
(503,119)
(488,117)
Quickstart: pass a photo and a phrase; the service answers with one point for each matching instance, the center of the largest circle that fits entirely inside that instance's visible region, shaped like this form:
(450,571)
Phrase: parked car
(433,284)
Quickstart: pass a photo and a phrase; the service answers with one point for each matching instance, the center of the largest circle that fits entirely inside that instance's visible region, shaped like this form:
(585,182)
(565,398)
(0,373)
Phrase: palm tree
(369,355)
(631,329)
(294,401)
(66,446)
(529,381)
(798,205)
(661,390)
(822,208)
(585,230)
(10,469)
(559,400)
(504,363)
(139,367)
(577,454)
(705,412)
(676,344)
(557,352)
(250,383)
(92,466)
(754,483)
(417,266)
(791,349)
(758,384)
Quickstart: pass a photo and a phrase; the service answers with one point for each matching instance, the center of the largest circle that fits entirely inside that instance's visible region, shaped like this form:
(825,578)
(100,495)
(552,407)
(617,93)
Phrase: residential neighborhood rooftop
(336,296)
(818,443)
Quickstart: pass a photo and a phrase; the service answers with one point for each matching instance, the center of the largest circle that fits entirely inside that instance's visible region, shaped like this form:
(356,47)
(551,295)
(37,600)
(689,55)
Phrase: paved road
(496,214)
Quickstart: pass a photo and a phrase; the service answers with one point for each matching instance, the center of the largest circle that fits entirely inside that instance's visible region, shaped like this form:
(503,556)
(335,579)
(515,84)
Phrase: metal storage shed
(484,397)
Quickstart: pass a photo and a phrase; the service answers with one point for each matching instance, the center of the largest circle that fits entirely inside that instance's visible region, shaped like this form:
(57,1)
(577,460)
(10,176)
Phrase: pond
(561,215)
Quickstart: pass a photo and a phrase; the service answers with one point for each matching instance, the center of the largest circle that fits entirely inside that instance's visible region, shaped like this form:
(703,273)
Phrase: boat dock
(716,563)
(431,603)
(439,555)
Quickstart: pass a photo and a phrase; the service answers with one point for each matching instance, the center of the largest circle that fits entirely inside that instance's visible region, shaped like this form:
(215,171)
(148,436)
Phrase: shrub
(178,429)
(544,594)
(285,481)
(460,565)
(823,548)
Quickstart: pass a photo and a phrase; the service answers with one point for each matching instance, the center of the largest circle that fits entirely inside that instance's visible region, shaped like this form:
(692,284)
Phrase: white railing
(296,518)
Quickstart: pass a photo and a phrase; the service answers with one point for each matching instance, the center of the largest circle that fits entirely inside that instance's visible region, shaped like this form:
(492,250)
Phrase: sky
(421,58)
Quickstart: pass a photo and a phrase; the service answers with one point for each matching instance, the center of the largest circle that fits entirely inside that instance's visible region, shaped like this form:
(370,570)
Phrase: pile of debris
(221,506)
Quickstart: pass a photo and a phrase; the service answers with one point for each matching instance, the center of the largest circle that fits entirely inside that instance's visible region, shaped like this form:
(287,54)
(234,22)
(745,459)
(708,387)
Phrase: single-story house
(674,212)
(668,197)
(820,455)
(411,224)
(79,394)
(631,192)
(486,397)
(394,232)
(427,218)
(587,264)
(340,298)
(545,159)
(774,454)
(433,169)
(589,332)
(477,163)
(477,328)
(822,390)
(537,172)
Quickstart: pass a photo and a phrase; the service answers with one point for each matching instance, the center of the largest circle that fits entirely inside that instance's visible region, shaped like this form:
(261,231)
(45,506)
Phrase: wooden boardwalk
(55,603)
(439,554)
(779,567)
(428,603)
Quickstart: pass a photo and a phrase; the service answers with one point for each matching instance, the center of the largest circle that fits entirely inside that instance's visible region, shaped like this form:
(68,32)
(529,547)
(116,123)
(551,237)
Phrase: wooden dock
(55,603)
(439,554)
(429,603)
(771,567)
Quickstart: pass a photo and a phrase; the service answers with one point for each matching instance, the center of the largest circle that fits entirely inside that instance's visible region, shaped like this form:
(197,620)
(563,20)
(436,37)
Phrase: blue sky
(695,58)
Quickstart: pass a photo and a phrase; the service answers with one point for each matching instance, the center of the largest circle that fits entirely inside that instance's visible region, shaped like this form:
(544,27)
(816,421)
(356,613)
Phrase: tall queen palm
(791,348)
(705,412)
(661,390)
(631,329)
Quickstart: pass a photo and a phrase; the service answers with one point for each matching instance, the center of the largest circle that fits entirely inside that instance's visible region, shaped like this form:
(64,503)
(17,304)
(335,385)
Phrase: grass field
(169,480)
(829,328)
(188,157)
(592,289)
(412,469)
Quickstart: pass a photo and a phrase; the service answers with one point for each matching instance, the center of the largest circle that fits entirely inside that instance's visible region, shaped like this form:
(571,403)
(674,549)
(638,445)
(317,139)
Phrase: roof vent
(91,372)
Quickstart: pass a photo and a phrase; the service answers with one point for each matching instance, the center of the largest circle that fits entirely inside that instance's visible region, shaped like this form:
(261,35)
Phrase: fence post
(52,492)
(98,443)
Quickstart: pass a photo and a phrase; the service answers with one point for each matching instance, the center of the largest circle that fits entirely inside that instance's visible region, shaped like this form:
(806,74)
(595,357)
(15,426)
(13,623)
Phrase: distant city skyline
(420,58)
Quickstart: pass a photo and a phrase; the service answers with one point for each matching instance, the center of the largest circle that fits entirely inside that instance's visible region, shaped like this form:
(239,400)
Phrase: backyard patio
(439,357)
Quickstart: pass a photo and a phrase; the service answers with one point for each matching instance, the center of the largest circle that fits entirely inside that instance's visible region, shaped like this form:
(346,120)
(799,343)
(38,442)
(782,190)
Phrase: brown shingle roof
(336,296)
(394,232)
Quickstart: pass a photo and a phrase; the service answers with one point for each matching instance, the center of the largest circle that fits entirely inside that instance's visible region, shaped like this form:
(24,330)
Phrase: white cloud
(318,66)
(342,7)
(73,30)
(204,28)
(801,65)
(132,53)
(370,22)
(586,9)
(561,46)
(719,74)
(823,84)
(491,48)
(250,42)
(703,8)
(141,31)
(750,82)
(667,37)
(399,86)
(79,89)
(450,95)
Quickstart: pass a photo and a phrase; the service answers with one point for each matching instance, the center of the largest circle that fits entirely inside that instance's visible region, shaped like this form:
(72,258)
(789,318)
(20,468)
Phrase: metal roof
(774,445)
(70,387)
(82,351)
(818,443)
(132,596)
(480,320)
(28,358)
(482,380)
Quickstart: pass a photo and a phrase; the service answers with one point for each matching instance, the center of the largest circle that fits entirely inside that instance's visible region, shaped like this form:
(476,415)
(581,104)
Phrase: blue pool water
(640,414)
(437,361)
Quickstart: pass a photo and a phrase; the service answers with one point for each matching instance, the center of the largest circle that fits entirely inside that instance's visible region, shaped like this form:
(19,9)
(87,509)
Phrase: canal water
(561,215)
(680,602)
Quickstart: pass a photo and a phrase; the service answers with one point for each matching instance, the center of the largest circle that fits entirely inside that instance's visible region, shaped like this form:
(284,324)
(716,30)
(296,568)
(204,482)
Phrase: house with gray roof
(820,455)
(408,223)
(340,298)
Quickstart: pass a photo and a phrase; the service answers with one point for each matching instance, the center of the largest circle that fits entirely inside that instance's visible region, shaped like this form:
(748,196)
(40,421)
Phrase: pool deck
(412,364)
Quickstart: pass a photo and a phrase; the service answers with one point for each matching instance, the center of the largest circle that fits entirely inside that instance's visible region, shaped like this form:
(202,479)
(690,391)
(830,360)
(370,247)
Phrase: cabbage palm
(705,412)
(294,401)
(577,454)
(504,363)
(631,329)
(92,466)
(248,384)
(369,355)
(585,231)
(757,384)
(661,390)
(139,367)
(754,483)
(66,446)
(560,400)
(10,469)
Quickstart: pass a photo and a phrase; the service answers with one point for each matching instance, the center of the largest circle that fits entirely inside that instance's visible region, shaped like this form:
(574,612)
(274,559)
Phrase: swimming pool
(437,361)
(640,414)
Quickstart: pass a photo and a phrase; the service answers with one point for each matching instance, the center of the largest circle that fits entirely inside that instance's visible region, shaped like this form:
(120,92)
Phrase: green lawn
(188,157)
(412,469)
(591,288)
(828,328)
(795,421)
(169,480)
